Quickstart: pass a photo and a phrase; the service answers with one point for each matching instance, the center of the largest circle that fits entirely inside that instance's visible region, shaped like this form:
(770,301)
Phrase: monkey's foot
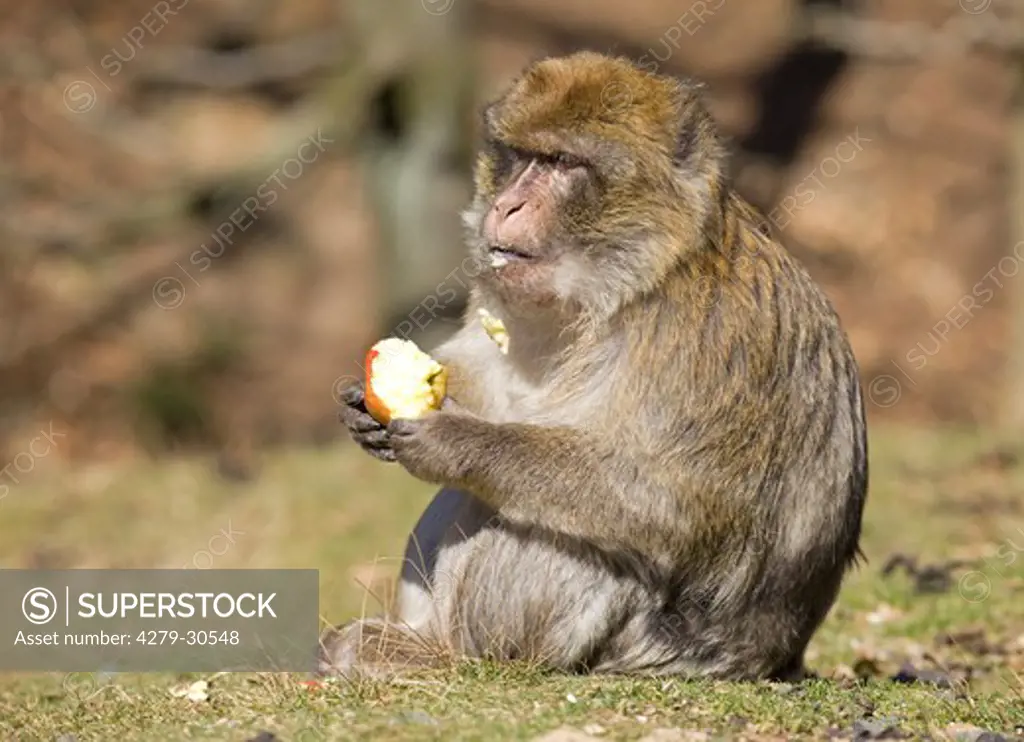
(374,648)
(792,672)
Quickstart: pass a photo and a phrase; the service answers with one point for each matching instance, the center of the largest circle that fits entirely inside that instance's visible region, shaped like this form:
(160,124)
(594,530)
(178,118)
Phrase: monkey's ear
(686,147)
(697,146)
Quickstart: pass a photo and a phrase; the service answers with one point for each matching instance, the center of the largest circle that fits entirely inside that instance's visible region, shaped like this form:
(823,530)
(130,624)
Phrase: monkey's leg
(451,517)
(379,646)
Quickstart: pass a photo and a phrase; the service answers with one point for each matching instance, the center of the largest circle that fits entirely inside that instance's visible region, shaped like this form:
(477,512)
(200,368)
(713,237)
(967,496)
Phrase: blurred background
(210,208)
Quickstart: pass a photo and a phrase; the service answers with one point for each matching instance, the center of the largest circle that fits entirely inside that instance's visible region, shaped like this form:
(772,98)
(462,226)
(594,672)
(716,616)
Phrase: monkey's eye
(569,161)
(563,161)
(505,159)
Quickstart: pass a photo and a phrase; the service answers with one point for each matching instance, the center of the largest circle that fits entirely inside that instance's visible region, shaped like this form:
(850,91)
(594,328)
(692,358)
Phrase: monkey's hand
(437,447)
(371,435)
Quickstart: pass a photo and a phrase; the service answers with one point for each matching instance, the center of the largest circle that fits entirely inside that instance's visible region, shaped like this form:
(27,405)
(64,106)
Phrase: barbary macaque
(665,471)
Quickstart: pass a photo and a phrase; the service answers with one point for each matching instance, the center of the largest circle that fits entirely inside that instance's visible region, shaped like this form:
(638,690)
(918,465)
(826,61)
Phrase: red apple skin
(374,405)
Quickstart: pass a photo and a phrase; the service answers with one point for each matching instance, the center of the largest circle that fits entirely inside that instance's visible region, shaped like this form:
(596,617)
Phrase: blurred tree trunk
(1015,410)
(418,159)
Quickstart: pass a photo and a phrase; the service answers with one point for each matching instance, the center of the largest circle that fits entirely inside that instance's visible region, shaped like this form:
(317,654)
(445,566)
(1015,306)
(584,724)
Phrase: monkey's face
(578,182)
(523,232)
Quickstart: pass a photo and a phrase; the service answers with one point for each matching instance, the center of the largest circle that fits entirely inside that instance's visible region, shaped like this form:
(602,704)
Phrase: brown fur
(666,473)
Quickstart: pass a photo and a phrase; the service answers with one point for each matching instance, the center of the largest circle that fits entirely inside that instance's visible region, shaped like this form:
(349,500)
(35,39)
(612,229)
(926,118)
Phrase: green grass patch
(948,503)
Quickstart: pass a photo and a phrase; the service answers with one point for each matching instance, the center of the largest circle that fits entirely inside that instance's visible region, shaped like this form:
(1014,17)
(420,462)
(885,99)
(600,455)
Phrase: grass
(934,497)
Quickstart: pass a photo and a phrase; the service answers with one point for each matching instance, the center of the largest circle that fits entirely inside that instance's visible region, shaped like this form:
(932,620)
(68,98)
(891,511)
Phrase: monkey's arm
(554,478)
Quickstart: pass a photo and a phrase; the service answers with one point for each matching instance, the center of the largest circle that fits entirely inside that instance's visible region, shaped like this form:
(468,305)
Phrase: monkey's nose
(511,208)
(508,221)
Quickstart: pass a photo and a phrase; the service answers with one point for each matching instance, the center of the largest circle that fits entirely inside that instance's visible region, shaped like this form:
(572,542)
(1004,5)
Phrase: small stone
(415,717)
(676,735)
(910,674)
(877,729)
(970,733)
(565,735)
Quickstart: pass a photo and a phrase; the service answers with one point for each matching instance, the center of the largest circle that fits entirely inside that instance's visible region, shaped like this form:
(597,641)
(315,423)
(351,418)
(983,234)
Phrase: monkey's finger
(382,454)
(352,395)
(373,438)
(363,424)
(402,427)
(358,421)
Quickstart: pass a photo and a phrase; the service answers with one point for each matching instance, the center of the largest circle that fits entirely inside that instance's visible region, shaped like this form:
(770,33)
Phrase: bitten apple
(402,381)
(495,329)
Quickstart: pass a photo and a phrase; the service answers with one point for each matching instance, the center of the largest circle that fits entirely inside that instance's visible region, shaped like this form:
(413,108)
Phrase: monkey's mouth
(502,254)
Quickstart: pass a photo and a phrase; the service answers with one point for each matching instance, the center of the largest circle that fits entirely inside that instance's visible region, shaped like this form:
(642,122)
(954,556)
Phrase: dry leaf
(884,613)
(196,692)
